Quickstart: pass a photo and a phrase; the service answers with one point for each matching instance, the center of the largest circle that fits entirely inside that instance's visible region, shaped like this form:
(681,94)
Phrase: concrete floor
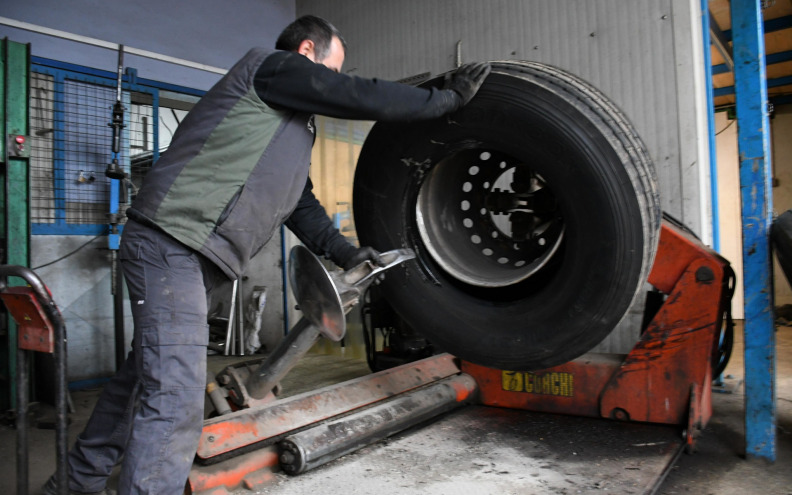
(490,451)
(719,466)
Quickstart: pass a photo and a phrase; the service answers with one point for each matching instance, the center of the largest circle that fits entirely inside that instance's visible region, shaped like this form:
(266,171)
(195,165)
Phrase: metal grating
(42,130)
(71,145)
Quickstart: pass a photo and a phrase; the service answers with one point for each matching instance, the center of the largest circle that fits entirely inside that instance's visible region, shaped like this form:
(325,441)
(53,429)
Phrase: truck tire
(781,236)
(533,212)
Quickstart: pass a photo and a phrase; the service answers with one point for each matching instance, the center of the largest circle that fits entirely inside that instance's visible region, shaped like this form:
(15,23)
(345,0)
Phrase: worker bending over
(236,170)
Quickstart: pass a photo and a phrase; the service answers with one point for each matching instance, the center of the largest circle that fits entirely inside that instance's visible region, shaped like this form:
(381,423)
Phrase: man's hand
(467,80)
(360,255)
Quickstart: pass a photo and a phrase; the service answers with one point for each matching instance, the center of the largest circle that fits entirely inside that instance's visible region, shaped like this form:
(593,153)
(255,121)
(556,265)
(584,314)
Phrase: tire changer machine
(665,379)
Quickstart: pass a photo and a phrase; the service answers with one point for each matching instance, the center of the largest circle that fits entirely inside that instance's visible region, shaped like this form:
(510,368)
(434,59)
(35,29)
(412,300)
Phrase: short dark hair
(309,27)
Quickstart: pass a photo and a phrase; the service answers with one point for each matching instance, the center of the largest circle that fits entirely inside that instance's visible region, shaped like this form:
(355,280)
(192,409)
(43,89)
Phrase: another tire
(781,235)
(533,211)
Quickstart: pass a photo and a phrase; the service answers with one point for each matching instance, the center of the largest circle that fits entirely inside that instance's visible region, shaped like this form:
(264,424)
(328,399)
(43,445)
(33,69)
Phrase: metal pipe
(118,109)
(118,310)
(215,395)
(118,77)
(240,320)
(31,278)
(21,423)
(284,281)
(61,402)
(116,173)
(106,44)
(229,343)
(285,356)
(321,444)
(277,418)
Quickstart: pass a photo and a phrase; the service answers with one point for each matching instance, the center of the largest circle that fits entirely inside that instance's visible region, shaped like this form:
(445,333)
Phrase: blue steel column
(713,165)
(755,186)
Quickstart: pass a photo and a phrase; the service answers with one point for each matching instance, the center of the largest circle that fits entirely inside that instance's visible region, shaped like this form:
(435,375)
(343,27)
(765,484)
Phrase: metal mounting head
(325,298)
(316,293)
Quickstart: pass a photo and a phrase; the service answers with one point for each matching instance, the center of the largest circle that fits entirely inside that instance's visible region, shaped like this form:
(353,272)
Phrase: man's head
(315,38)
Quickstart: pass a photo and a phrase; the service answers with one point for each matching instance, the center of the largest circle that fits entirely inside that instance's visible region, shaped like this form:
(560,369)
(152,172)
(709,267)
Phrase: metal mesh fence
(42,127)
(71,146)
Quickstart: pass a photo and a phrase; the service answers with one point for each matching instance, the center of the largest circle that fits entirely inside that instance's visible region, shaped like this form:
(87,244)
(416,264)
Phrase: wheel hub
(488,219)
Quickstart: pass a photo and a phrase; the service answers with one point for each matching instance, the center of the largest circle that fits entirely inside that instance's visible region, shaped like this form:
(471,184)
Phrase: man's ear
(306,48)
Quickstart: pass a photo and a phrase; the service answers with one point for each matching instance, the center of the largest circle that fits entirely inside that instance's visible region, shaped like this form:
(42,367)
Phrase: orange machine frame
(667,376)
(664,379)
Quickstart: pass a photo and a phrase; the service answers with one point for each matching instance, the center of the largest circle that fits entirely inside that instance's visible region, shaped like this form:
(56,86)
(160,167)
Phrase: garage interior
(695,93)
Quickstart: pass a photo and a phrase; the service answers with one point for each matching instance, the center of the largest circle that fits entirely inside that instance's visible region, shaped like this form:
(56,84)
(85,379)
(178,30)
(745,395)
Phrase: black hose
(726,342)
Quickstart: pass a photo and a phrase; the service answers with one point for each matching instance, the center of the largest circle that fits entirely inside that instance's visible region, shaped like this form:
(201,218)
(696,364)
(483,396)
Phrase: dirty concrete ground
(483,450)
(479,450)
(719,466)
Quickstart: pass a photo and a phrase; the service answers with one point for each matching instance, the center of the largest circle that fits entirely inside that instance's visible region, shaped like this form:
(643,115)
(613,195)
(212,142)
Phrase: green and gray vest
(233,173)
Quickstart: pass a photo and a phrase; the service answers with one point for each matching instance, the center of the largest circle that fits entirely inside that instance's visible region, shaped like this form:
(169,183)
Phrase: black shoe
(51,488)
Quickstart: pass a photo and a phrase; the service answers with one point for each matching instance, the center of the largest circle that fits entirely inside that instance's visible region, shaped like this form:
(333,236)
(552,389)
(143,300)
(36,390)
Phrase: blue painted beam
(773,58)
(770,26)
(753,136)
(771,83)
(706,20)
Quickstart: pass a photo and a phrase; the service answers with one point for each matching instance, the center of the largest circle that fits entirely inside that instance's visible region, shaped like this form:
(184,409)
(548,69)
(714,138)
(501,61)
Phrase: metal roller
(324,443)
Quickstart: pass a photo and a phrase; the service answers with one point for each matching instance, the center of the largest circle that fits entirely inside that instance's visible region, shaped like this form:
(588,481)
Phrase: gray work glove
(360,255)
(467,80)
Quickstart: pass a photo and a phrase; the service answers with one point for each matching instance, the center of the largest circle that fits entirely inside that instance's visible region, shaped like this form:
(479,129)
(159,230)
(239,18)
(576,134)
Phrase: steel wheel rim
(488,219)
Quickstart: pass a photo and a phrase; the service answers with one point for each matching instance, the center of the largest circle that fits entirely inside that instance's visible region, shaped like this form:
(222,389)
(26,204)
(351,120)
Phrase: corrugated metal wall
(646,55)
(641,53)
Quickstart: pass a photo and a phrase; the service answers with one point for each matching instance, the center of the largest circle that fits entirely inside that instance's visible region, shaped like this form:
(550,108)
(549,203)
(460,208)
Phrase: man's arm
(310,223)
(288,80)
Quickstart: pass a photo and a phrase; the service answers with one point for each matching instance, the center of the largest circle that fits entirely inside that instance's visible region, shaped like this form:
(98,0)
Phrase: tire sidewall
(546,320)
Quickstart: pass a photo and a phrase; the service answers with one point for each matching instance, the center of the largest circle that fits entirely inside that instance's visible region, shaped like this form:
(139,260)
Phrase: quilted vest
(233,173)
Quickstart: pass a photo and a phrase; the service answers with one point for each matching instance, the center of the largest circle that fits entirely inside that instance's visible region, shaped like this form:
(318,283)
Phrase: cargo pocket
(134,271)
(174,357)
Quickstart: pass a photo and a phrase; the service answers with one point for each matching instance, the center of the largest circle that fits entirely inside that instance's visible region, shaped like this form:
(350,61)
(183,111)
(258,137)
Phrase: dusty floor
(483,450)
(719,466)
(478,450)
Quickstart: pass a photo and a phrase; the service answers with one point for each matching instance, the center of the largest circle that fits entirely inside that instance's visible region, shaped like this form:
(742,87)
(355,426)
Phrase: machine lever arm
(324,299)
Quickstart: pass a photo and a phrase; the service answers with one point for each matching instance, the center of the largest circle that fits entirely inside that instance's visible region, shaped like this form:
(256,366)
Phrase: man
(237,169)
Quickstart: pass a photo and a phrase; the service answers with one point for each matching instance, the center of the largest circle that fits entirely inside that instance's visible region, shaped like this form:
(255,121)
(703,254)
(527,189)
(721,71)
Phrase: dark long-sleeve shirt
(238,164)
(290,81)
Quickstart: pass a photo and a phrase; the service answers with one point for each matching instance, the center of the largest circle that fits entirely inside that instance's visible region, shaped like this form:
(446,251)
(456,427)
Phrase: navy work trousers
(149,416)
